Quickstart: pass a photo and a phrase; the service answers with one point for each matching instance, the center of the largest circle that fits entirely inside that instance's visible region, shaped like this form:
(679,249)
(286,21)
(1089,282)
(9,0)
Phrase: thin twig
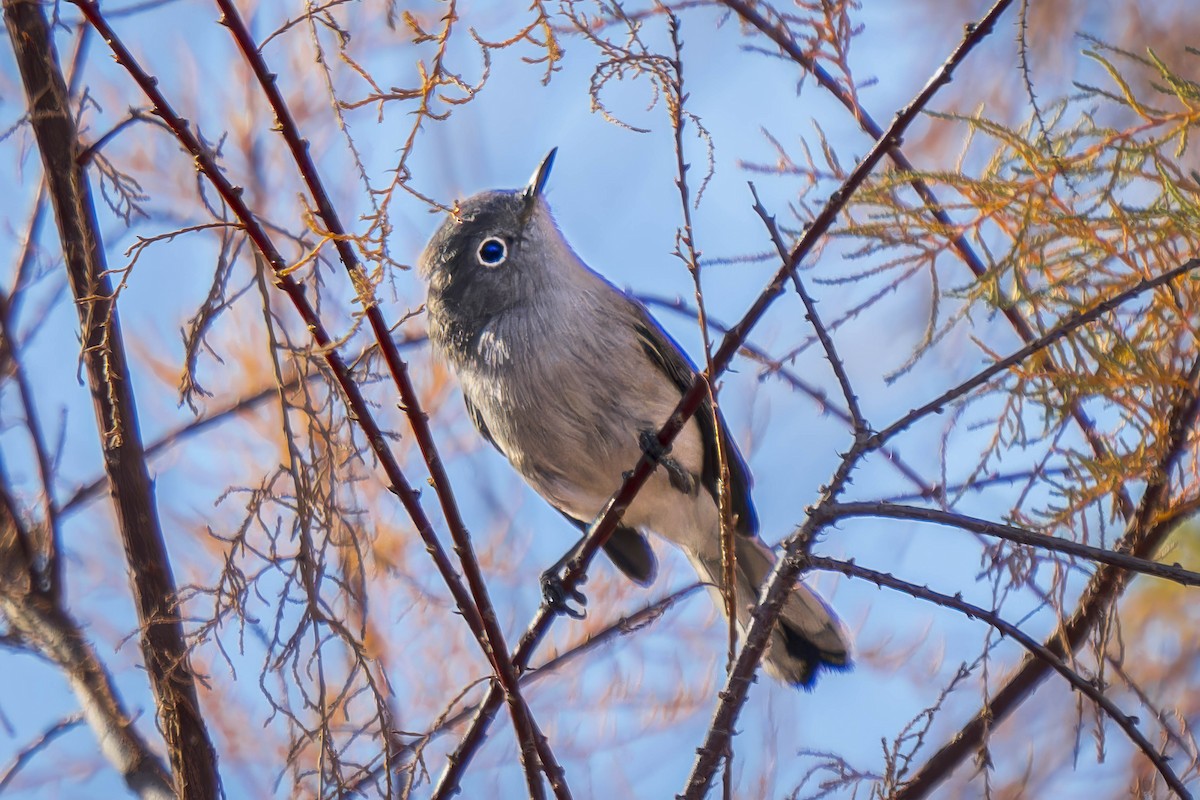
(859,426)
(773,366)
(1059,331)
(1043,654)
(533,747)
(37,745)
(1012,533)
(779,34)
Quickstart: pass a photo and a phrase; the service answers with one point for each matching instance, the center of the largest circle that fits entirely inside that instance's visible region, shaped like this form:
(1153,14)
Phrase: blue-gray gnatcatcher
(568,377)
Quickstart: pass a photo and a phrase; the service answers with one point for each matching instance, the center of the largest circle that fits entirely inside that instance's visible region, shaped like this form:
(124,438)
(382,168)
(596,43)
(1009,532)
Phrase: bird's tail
(807,636)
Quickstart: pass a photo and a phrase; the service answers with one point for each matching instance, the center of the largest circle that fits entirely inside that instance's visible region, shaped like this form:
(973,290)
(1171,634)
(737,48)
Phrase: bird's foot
(558,597)
(679,477)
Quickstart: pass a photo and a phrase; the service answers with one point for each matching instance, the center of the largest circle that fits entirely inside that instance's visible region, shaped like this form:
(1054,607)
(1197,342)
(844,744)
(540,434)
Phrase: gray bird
(569,377)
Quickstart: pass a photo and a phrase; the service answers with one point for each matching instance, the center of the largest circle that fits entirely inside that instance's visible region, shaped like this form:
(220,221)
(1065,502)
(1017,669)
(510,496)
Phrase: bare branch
(1049,658)
(779,34)
(193,759)
(1011,533)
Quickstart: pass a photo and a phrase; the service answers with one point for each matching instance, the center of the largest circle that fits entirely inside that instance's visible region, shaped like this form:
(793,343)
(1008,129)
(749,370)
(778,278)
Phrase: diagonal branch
(818,395)
(193,759)
(783,39)
(533,747)
(50,631)
(788,568)
(858,424)
(1149,527)
(603,526)
(1072,323)
(1046,656)
(325,345)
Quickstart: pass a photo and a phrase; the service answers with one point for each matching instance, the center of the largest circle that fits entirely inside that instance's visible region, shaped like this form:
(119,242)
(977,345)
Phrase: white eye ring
(492,252)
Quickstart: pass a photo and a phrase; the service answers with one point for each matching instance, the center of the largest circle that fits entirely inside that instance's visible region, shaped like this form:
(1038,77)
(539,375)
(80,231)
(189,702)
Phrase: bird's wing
(665,354)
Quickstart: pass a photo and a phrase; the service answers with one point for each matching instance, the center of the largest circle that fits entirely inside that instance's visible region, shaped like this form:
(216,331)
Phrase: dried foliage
(993,304)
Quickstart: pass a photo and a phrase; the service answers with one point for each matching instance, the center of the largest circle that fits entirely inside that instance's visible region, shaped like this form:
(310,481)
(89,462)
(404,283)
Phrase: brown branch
(623,626)
(50,631)
(1046,656)
(533,747)
(787,569)
(36,622)
(602,527)
(818,395)
(1011,533)
(858,424)
(1059,331)
(783,39)
(1146,531)
(193,759)
(359,408)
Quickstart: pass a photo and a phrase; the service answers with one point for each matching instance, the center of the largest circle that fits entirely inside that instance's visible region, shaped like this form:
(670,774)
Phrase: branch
(858,424)
(193,759)
(359,409)
(1066,326)
(779,34)
(532,745)
(36,746)
(623,626)
(1044,655)
(1122,560)
(817,394)
(602,527)
(788,568)
(1145,532)
(36,622)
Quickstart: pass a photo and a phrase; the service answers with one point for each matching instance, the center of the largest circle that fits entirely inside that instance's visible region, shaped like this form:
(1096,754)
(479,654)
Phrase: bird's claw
(558,597)
(676,474)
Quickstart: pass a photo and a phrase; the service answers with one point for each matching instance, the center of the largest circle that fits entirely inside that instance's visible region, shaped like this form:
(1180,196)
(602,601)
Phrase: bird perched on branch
(571,379)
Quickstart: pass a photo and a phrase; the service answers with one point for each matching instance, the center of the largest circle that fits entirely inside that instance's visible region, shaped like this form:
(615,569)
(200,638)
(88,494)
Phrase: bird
(569,378)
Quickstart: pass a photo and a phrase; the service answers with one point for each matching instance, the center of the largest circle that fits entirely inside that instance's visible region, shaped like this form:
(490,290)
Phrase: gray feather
(565,374)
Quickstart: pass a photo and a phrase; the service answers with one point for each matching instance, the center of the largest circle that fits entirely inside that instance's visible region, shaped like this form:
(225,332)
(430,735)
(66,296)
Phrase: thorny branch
(602,527)
(295,292)
(787,569)
(778,33)
(534,747)
(1047,656)
(1146,531)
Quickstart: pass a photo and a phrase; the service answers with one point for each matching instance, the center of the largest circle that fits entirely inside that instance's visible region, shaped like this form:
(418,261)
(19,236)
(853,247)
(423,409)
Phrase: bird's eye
(492,252)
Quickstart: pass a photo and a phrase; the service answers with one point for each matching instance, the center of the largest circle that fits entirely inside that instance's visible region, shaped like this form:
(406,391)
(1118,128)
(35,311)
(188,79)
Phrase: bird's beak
(538,182)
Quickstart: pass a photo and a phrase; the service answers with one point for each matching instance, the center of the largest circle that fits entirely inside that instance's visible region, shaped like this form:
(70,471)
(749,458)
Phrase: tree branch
(1043,654)
(193,759)
(788,568)
(779,34)
(1146,531)
(533,747)
(1011,533)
